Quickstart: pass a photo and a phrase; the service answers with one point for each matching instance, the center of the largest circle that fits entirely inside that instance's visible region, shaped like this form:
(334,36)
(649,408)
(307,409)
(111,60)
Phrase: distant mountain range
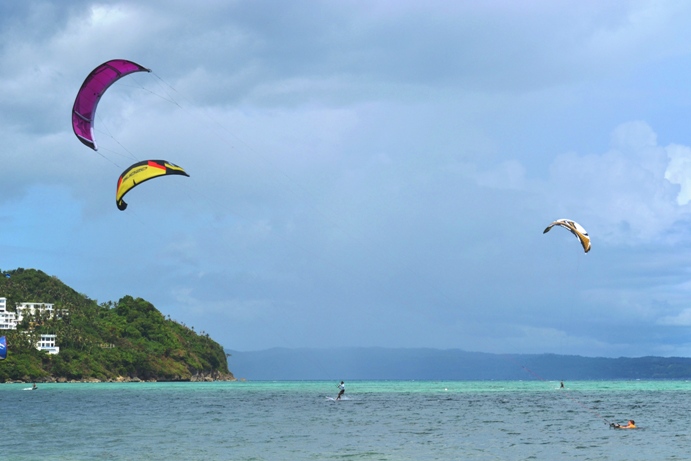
(450,364)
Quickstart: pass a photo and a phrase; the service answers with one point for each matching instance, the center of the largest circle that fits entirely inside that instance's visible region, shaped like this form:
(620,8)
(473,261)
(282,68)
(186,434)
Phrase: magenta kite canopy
(96,83)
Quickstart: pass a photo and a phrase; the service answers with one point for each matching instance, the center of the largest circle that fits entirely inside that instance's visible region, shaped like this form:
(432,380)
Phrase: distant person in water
(562,385)
(35,387)
(630,425)
(341,390)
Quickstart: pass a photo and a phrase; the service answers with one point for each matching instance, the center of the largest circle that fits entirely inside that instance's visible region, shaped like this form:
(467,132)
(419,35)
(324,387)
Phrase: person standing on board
(341,390)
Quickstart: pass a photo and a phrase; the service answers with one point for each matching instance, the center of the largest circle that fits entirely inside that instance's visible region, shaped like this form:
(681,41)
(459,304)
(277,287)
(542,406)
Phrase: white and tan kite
(575,228)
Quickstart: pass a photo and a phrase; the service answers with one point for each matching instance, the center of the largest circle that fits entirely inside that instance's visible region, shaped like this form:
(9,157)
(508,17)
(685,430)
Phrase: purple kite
(96,83)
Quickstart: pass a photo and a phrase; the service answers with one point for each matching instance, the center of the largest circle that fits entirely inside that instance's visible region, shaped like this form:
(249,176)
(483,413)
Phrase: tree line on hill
(124,340)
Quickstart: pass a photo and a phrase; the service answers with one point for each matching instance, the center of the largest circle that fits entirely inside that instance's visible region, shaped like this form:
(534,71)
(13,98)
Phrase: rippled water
(380,421)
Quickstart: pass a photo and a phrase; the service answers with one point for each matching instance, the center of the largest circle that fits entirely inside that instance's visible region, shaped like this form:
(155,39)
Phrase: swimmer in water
(630,425)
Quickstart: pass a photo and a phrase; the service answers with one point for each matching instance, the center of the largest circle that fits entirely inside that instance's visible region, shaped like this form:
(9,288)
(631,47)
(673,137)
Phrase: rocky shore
(199,377)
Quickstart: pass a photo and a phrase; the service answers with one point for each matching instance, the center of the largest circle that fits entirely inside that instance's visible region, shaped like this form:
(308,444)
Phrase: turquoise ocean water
(382,420)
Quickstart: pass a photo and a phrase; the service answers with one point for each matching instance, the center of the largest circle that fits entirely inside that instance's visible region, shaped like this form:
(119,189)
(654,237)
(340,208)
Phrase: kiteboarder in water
(341,391)
(630,425)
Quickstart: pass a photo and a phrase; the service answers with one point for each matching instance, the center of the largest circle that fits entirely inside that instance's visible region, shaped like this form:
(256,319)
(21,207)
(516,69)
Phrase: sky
(363,173)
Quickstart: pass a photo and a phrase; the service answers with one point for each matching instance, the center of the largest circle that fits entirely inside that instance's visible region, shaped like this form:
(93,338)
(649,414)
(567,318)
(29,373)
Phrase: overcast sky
(363,173)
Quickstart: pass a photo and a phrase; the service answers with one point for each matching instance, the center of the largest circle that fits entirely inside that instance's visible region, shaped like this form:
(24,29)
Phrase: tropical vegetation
(124,340)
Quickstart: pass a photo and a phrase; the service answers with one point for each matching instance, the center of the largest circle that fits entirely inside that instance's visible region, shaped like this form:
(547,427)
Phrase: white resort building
(47,343)
(34,309)
(10,320)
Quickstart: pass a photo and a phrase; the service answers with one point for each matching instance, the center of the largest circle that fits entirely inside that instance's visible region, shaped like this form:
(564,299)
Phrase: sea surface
(381,420)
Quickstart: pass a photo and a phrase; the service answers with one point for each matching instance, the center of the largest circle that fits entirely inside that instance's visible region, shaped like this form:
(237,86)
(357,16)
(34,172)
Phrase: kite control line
(574,400)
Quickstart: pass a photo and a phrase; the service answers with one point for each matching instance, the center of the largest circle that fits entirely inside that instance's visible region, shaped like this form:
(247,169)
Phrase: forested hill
(124,340)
